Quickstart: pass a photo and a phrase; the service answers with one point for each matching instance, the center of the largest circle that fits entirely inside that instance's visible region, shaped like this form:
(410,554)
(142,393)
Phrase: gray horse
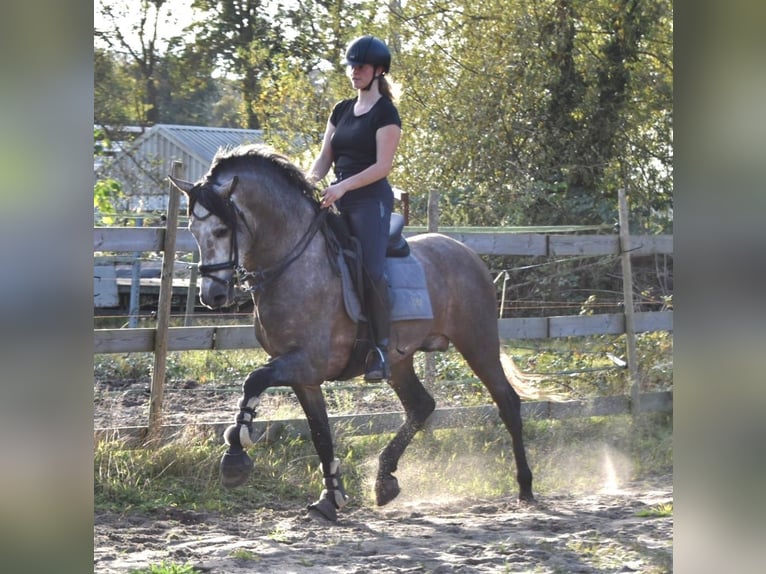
(257,221)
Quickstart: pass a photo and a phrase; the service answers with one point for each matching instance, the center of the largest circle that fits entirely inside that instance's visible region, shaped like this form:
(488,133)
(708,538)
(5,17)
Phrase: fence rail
(221,338)
(389,422)
(484,242)
(118,239)
(493,242)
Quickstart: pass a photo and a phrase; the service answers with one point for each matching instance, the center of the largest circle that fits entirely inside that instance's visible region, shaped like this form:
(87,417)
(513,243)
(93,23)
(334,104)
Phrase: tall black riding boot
(379,315)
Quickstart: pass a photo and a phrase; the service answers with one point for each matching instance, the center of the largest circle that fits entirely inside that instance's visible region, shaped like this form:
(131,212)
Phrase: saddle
(404,274)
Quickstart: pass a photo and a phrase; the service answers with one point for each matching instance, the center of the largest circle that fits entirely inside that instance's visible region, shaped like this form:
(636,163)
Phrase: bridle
(232,263)
(257,280)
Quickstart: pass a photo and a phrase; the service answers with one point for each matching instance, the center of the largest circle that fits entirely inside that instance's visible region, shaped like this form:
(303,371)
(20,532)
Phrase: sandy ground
(421,531)
(599,533)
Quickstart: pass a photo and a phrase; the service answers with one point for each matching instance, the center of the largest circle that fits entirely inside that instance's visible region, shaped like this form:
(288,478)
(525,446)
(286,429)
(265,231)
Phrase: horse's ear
(229,188)
(182,185)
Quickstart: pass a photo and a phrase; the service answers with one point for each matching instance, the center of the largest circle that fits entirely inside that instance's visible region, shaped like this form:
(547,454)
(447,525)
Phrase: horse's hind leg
(418,405)
(486,364)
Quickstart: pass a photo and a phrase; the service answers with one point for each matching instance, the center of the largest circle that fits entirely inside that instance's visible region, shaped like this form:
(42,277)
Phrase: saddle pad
(407,290)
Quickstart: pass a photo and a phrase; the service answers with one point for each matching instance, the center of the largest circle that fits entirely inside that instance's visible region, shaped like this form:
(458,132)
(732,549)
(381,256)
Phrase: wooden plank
(105,286)
(187,338)
(502,244)
(583,245)
(157,389)
(523,328)
(582,325)
(185,241)
(129,239)
(651,244)
(243,336)
(389,422)
(123,340)
(649,321)
(657,402)
(627,297)
(236,337)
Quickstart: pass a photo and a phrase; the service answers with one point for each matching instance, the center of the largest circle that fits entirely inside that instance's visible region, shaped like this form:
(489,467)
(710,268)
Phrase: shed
(143,165)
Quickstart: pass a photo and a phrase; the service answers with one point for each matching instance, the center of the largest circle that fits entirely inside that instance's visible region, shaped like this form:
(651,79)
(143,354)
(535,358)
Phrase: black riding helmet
(368,50)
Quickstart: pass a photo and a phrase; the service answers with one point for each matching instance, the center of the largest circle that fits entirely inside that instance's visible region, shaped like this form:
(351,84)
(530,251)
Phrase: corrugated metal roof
(203,142)
(143,165)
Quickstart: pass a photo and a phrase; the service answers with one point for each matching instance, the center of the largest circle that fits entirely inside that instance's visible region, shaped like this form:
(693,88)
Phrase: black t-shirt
(353,143)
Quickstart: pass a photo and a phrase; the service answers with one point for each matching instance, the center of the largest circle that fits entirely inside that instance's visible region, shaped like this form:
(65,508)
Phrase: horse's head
(213,222)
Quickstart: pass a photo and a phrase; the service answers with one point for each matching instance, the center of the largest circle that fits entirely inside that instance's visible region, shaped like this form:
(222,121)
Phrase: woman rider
(360,141)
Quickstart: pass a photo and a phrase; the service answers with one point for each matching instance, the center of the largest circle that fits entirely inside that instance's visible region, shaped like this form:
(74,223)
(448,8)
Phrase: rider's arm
(323,162)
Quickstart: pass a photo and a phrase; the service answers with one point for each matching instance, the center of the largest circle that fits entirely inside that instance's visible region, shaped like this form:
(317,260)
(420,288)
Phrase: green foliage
(532,114)
(573,455)
(657,511)
(187,90)
(520,114)
(184,474)
(242,554)
(585,367)
(167,568)
(114,90)
(106,194)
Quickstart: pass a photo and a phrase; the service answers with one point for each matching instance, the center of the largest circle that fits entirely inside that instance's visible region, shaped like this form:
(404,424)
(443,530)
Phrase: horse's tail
(523,383)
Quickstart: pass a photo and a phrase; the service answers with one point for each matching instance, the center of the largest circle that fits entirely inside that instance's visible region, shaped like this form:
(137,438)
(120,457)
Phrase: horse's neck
(278,229)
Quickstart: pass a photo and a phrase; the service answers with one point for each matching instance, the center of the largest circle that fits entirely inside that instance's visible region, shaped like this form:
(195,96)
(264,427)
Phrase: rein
(258,280)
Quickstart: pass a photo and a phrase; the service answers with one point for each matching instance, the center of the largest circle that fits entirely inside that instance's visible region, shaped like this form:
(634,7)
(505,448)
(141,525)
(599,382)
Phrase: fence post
(135,284)
(627,291)
(163,309)
(432,216)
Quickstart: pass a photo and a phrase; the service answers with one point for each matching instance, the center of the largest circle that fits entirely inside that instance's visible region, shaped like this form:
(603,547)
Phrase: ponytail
(385,88)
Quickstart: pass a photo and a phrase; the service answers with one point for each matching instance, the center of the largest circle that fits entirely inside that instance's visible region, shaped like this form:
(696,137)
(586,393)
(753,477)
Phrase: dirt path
(561,534)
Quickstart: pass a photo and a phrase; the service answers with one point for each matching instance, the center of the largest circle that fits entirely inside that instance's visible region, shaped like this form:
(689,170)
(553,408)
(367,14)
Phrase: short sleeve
(388,115)
(339,110)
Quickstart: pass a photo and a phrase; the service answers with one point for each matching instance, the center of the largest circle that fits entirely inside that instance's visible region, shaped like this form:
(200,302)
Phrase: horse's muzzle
(216,294)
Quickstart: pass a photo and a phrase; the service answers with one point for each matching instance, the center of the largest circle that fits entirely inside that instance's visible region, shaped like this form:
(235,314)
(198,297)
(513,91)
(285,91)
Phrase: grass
(657,511)
(571,368)
(242,554)
(167,568)
(566,456)
(575,454)
(184,474)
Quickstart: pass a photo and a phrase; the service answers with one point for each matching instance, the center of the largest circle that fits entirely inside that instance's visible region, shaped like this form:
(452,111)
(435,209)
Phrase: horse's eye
(221,233)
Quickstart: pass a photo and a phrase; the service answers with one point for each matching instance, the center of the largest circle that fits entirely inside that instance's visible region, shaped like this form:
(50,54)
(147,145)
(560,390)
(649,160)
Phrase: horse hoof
(526,498)
(386,489)
(235,468)
(323,509)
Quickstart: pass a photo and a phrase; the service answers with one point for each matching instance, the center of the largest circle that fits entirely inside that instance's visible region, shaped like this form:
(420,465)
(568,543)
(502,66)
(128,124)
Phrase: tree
(530,112)
(187,89)
(137,41)
(536,112)
(114,91)
(245,42)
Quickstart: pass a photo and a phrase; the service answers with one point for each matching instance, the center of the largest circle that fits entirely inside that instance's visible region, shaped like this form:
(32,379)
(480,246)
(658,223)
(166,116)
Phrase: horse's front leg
(333,496)
(236,465)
